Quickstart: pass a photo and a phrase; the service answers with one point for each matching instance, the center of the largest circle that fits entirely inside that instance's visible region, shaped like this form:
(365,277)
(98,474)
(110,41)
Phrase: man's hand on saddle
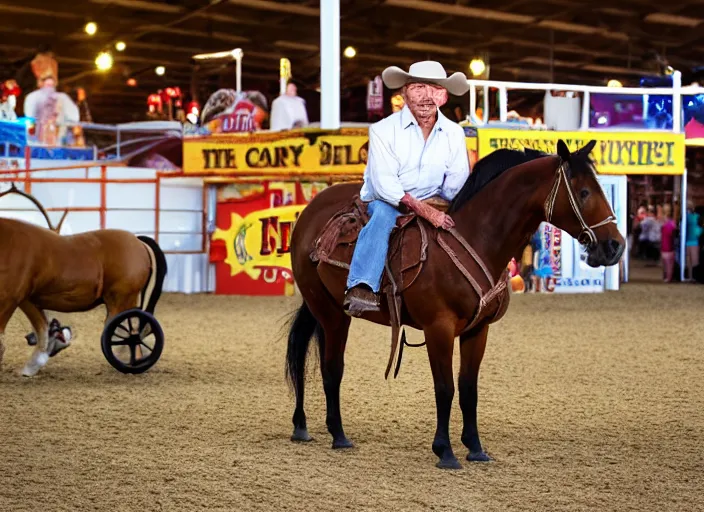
(434,216)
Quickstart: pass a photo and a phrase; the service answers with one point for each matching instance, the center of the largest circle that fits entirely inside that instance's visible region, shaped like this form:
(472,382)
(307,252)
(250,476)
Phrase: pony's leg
(5,315)
(472,347)
(440,343)
(332,365)
(40,355)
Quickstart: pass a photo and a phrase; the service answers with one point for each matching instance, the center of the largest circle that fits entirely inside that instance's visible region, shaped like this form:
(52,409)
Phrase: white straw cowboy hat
(427,71)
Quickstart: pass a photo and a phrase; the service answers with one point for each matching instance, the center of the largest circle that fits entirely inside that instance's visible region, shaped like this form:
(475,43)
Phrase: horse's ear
(563,151)
(588,148)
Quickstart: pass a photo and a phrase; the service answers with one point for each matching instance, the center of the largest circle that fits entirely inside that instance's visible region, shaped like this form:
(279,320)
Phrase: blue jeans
(369,256)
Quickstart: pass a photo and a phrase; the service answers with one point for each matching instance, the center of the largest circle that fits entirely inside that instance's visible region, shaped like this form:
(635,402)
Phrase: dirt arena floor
(586,403)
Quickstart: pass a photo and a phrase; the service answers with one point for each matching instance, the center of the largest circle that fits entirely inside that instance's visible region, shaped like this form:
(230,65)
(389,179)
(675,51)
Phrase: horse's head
(578,205)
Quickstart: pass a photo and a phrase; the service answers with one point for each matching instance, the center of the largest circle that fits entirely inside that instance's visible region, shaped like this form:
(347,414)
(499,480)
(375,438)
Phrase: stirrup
(356,306)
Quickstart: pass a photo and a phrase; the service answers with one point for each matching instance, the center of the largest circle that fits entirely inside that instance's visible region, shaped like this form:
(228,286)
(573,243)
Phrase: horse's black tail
(152,288)
(302,327)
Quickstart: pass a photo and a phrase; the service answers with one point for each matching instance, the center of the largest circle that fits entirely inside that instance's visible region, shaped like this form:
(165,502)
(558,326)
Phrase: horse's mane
(490,167)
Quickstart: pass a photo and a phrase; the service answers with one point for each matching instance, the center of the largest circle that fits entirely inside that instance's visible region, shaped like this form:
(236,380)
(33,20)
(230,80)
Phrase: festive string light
(120,46)
(350,52)
(132,82)
(160,70)
(91,28)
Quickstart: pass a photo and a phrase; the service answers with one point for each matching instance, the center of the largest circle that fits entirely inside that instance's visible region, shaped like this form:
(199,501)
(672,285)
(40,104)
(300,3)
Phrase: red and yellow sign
(615,152)
(258,244)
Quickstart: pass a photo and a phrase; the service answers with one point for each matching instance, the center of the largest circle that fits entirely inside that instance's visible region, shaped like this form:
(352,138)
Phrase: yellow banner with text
(297,152)
(614,153)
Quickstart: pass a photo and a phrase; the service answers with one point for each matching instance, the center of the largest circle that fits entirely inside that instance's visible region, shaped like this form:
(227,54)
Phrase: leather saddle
(408,244)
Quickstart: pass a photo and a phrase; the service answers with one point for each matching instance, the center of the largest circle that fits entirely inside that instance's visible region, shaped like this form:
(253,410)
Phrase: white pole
(330,64)
(472,101)
(503,104)
(677,102)
(683,226)
(239,74)
(586,100)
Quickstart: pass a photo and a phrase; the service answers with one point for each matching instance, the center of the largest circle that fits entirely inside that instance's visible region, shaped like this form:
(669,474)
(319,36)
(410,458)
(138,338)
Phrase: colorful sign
(292,152)
(258,244)
(375,95)
(615,152)
(250,247)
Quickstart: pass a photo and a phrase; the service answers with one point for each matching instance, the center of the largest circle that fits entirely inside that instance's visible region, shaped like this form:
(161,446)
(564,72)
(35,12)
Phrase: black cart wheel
(132,341)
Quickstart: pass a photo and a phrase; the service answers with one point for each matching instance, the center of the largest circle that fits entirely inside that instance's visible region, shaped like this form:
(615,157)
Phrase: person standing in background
(288,111)
(667,244)
(650,237)
(692,241)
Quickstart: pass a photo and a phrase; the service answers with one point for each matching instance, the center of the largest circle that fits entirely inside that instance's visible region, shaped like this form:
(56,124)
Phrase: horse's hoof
(479,457)
(300,435)
(338,444)
(449,463)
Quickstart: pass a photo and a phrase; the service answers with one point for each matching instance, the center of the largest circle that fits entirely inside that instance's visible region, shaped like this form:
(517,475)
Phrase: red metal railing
(27,178)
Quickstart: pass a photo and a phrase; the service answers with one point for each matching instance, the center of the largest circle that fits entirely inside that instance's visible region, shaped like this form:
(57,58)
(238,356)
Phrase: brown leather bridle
(586,236)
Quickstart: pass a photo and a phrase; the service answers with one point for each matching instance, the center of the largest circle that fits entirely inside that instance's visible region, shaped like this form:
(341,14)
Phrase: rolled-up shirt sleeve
(382,169)
(458,170)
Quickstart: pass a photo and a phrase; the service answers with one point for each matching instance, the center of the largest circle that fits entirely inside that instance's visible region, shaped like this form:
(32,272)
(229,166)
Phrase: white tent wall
(129,206)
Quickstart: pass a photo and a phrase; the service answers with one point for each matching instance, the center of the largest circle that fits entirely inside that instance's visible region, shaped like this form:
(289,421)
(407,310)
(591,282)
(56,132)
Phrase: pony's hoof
(301,435)
(28,371)
(338,444)
(479,457)
(449,463)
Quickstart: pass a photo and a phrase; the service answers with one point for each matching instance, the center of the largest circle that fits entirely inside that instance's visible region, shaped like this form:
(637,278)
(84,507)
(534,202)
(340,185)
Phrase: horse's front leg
(440,342)
(40,355)
(472,347)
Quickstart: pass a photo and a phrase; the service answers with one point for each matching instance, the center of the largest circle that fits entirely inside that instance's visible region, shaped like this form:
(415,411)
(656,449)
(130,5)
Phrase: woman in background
(667,243)
(692,241)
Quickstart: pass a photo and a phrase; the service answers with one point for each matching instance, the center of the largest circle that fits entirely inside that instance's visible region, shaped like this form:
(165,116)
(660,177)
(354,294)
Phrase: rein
(549,206)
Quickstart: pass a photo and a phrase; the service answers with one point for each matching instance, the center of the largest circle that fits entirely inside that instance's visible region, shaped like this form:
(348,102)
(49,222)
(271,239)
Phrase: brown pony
(454,293)
(42,270)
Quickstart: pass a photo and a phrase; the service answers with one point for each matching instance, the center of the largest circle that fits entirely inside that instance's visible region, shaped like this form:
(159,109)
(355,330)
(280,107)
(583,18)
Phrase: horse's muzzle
(606,253)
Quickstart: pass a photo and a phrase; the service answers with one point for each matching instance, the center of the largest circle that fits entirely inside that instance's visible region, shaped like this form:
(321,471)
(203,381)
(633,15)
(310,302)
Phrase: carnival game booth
(255,186)
(556,262)
(645,126)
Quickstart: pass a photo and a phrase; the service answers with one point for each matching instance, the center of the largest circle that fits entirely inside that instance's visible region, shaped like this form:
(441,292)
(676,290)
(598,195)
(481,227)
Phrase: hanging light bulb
(160,70)
(477,67)
(614,83)
(91,28)
(350,52)
(120,46)
(103,61)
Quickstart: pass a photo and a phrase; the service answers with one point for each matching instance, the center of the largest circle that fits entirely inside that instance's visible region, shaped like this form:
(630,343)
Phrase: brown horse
(42,270)
(495,213)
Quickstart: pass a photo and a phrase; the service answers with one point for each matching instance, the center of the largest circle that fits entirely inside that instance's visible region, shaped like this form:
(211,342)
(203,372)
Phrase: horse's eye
(584,194)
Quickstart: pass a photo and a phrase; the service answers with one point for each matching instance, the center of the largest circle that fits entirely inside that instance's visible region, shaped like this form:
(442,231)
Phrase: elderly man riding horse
(414,154)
